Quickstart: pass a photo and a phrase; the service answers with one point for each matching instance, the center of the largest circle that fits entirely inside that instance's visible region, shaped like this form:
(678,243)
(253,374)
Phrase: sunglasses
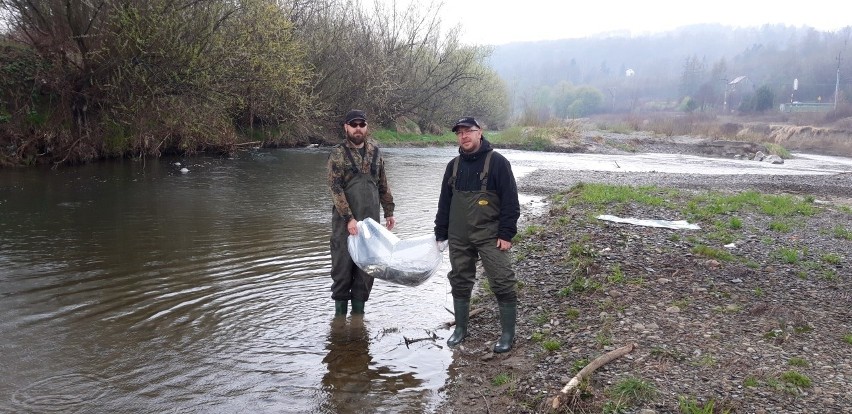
(355,124)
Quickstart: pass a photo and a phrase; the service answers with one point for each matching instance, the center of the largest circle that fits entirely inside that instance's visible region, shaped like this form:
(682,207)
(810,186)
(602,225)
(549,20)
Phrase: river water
(133,287)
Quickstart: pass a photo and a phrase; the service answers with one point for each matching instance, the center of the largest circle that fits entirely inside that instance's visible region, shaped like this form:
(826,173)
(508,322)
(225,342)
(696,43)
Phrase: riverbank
(751,313)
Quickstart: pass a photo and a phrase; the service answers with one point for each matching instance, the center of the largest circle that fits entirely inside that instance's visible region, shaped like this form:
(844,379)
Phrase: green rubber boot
(508,315)
(462,313)
(357,307)
(341,307)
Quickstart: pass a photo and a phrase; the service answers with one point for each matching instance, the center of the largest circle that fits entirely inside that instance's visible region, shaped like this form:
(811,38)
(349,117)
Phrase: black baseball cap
(354,115)
(467,121)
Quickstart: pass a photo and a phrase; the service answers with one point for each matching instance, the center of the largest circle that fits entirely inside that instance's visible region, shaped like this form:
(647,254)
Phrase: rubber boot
(357,307)
(508,314)
(341,307)
(462,310)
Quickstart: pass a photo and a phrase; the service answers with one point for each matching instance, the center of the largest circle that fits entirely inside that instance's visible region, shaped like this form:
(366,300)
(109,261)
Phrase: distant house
(735,92)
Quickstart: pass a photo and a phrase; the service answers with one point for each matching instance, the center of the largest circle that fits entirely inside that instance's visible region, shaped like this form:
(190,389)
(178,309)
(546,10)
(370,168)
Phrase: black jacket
(500,179)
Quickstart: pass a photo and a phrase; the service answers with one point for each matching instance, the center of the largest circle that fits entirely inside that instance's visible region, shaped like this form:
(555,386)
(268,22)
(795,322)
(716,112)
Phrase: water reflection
(353,378)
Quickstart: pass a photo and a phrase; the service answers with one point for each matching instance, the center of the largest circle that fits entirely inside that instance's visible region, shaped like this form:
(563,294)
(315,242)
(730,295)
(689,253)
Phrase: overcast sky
(505,21)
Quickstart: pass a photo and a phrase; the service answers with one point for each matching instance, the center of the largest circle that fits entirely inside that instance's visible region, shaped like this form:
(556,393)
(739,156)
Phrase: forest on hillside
(699,64)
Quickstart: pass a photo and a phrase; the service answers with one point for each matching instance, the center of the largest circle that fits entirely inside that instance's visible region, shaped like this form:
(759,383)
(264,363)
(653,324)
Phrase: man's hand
(503,244)
(442,245)
(390,222)
(352,226)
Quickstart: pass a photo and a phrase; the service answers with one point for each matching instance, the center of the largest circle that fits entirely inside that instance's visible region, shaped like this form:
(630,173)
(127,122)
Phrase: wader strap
(483,176)
(452,181)
(373,169)
(355,168)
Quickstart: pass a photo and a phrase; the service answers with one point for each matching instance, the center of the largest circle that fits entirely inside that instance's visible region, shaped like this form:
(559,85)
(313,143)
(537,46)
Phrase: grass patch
(848,338)
(797,362)
(751,382)
(831,259)
(779,226)
(616,276)
(632,391)
(572,313)
(605,194)
(841,232)
(688,405)
(796,379)
(501,379)
(537,337)
(551,345)
(388,136)
(735,223)
(707,206)
(713,253)
(787,255)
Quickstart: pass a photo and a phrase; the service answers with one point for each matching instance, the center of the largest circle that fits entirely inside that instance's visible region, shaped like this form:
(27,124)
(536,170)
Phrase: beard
(356,138)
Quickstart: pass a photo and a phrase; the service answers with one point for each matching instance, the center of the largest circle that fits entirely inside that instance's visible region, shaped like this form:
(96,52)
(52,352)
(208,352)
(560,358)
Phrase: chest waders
(472,232)
(348,280)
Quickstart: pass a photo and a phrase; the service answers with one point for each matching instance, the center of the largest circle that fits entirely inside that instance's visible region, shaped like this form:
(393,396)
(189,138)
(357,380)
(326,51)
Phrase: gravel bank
(766,329)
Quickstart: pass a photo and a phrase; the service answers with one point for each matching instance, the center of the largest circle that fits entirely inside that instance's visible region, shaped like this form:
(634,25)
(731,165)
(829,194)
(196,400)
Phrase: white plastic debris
(184,170)
(385,256)
(676,224)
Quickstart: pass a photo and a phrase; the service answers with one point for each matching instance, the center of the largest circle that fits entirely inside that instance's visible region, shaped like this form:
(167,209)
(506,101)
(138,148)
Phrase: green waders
(349,282)
(472,231)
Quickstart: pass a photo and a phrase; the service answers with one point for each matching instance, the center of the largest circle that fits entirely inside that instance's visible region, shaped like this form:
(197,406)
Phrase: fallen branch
(432,337)
(588,369)
(487,407)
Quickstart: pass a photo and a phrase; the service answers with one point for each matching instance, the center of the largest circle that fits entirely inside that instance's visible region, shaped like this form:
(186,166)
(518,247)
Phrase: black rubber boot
(462,310)
(341,307)
(508,314)
(357,307)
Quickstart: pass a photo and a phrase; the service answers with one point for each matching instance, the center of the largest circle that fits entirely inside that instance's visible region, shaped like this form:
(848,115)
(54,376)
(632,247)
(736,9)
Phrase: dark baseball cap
(355,114)
(467,121)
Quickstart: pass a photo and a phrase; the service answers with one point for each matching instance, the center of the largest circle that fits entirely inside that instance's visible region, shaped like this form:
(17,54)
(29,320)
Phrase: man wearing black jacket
(478,213)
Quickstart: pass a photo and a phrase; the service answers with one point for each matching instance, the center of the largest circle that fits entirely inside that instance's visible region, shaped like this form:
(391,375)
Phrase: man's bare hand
(503,244)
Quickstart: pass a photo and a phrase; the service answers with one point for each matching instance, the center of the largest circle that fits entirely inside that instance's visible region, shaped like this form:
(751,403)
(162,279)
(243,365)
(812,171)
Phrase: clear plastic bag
(384,256)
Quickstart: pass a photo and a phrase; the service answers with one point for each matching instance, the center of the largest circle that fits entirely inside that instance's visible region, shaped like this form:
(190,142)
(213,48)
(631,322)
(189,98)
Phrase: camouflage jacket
(340,172)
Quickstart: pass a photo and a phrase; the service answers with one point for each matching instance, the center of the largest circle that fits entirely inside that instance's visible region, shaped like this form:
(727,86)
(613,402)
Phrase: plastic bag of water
(385,256)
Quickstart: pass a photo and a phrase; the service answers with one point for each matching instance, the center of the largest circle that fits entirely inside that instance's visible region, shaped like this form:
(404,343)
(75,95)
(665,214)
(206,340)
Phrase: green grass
(572,313)
(616,276)
(735,223)
(751,382)
(688,405)
(831,258)
(537,337)
(710,205)
(796,379)
(604,194)
(713,253)
(841,232)
(632,390)
(797,362)
(848,338)
(787,255)
(777,149)
(779,226)
(551,345)
(387,136)
(501,379)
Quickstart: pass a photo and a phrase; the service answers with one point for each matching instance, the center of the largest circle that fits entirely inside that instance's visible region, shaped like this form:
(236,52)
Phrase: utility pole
(837,83)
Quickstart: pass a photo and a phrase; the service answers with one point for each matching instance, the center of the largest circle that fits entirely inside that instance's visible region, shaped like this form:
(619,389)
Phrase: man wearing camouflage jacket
(359,187)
